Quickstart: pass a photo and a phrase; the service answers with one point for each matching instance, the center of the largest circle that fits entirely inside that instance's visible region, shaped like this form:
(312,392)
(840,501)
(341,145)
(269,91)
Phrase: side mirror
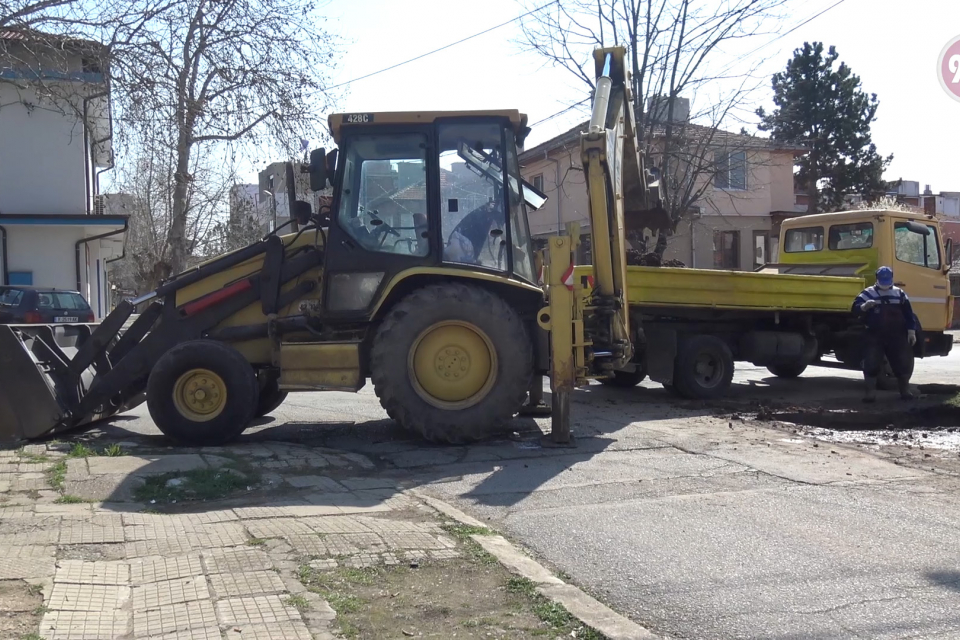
(318,169)
(916,227)
(948,250)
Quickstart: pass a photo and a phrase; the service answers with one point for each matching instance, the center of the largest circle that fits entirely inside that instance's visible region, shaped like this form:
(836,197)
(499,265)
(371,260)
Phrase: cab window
(921,249)
(802,240)
(472,217)
(858,235)
(383,205)
(519,230)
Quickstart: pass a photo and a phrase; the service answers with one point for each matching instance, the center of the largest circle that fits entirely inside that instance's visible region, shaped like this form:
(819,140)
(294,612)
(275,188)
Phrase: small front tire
(271,397)
(202,392)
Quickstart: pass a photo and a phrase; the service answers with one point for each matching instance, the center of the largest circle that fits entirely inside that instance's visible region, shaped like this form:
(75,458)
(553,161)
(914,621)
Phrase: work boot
(870,394)
(905,392)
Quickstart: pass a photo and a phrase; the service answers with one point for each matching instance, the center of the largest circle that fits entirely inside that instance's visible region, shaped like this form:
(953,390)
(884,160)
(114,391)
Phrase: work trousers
(894,346)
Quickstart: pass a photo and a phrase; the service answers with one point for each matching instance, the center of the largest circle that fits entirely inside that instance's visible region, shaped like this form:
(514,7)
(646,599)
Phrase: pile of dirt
(932,418)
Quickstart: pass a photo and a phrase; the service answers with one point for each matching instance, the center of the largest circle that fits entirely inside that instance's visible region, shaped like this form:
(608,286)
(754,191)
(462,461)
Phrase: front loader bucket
(28,400)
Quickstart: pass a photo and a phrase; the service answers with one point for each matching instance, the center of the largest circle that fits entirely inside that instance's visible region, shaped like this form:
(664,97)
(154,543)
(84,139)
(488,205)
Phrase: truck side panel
(714,289)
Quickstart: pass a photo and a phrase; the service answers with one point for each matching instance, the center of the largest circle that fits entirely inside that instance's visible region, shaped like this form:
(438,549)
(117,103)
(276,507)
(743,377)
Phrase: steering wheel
(382,229)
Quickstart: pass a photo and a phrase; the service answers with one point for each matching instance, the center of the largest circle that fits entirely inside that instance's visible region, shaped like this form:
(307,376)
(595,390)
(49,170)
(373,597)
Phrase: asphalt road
(694,524)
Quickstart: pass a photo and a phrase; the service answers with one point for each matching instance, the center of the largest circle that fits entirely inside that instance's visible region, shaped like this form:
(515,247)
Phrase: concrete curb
(587,609)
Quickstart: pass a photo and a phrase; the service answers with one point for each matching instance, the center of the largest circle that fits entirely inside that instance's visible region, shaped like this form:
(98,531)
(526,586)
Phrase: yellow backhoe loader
(420,277)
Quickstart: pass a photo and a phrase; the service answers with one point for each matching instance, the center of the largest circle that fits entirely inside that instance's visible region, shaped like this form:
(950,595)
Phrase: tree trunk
(178,228)
(812,196)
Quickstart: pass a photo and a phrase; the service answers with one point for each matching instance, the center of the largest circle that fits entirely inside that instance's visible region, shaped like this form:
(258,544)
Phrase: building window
(731,170)
(537,182)
(761,248)
(726,249)
(91,65)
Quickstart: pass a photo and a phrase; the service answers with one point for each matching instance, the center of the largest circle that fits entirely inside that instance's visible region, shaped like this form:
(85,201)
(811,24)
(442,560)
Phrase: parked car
(39,305)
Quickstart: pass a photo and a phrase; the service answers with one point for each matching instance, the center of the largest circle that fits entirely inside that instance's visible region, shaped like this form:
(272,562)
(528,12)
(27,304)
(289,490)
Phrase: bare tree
(672,44)
(56,52)
(146,185)
(202,75)
(34,14)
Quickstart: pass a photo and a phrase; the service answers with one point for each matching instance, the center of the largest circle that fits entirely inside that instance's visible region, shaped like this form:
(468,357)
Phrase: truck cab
(856,243)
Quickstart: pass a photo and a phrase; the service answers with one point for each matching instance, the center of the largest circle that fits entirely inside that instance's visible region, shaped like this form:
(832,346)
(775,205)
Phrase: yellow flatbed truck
(689,326)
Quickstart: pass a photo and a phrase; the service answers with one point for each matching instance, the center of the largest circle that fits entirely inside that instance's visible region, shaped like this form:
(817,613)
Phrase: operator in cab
(470,237)
(891,333)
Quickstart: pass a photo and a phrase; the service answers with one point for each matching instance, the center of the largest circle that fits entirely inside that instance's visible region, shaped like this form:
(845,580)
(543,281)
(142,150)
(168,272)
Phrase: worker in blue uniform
(891,333)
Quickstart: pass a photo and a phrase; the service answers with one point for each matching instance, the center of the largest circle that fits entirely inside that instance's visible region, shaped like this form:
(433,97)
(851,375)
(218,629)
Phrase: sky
(893,47)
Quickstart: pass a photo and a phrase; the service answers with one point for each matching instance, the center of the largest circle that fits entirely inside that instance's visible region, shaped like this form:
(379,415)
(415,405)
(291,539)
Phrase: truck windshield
(921,249)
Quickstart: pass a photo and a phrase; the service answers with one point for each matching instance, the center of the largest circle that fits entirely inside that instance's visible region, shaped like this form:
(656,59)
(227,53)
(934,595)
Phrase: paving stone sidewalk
(171,568)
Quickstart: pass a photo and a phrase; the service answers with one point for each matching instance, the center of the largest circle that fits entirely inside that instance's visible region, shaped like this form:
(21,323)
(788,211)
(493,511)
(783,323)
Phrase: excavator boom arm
(591,333)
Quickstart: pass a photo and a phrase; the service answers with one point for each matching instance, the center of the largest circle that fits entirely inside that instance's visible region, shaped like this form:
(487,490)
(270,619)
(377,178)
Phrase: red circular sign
(948,69)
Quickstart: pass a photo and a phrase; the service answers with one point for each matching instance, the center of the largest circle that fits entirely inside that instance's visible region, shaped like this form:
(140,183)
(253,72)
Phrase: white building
(55,141)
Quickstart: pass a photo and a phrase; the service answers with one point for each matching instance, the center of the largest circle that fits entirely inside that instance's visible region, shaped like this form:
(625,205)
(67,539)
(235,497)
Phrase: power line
(559,113)
(785,34)
(452,44)
(747,55)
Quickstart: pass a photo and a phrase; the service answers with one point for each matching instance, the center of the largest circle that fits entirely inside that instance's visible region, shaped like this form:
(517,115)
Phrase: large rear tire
(451,362)
(202,392)
(704,367)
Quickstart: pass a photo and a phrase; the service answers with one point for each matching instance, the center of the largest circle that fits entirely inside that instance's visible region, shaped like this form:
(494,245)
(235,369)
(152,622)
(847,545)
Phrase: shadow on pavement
(507,468)
(946,578)
(514,464)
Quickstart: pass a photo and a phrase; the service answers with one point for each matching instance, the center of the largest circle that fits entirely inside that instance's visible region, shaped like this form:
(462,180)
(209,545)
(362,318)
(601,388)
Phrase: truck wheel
(202,392)
(625,379)
(704,367)
(451,362)
(671,388)
(787,370)
(270,398)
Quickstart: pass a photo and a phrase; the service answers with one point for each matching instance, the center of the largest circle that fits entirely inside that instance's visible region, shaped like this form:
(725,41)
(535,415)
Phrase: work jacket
(894,312)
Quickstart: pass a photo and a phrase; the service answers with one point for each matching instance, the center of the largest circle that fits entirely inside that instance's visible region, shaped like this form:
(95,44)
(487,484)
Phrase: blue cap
(885,276)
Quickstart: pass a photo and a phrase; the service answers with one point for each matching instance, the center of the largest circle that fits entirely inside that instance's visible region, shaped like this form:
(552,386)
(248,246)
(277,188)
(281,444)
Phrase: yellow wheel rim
(452,365)
(200,395)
